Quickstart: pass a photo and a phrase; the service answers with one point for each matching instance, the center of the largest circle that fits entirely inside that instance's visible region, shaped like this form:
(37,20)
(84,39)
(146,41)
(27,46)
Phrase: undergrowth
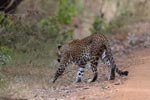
(31,38)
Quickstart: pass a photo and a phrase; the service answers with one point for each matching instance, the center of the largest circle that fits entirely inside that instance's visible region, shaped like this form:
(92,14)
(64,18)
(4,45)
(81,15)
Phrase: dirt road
(137,87)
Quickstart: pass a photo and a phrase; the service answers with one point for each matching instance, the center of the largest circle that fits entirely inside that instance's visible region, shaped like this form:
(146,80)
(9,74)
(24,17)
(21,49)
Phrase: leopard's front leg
(80,74)
(59,72)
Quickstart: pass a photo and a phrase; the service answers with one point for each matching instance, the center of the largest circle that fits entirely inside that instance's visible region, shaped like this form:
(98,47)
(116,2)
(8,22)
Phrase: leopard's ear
(59,46)
(58,60)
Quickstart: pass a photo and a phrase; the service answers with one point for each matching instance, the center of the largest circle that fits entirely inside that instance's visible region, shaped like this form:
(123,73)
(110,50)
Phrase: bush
(5,55)
(32,37)
(66,10)
(5,21)
(100,25)
(55,30)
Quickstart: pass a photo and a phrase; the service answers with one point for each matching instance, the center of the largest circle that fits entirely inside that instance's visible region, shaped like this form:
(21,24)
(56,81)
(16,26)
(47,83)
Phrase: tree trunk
(9,6)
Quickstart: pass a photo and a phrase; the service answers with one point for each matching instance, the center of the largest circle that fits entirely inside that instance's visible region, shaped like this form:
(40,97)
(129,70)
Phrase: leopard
(89,49)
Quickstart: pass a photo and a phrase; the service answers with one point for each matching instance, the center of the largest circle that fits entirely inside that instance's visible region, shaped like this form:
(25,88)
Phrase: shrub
(5,55)
(32,37)
(65,11)
(5,21)
(100,26)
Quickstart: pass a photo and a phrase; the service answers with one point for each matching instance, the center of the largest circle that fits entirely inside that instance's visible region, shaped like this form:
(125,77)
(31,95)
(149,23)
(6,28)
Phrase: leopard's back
(86,48)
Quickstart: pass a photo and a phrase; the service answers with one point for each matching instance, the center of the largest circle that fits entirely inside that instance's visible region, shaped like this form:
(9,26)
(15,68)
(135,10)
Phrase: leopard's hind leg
(107,59)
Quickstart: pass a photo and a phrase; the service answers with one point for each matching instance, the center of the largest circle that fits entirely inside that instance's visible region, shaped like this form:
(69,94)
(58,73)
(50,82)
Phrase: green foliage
(50,25)
(55,30)
(5,55)
(6,50)
(79,6)
(5,21)
(32,39)
(66,10)
(100,25)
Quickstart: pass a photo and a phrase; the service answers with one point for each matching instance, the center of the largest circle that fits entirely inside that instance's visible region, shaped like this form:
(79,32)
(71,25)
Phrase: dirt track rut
(137,87)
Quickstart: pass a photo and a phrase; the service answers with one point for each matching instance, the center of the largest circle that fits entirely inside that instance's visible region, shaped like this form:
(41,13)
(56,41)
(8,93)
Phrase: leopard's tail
(121,73)
(107,56)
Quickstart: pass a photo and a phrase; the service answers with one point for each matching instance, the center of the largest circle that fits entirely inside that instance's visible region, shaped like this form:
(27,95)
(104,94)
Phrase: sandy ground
(137,87)
(134,87)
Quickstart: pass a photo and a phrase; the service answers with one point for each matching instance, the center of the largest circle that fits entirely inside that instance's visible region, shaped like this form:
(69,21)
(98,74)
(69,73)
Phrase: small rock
(117,83)
(67,91)
(54,99)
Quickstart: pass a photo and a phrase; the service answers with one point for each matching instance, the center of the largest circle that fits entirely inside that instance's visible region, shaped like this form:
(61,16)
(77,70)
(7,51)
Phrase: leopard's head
(59,53)
(62,52)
